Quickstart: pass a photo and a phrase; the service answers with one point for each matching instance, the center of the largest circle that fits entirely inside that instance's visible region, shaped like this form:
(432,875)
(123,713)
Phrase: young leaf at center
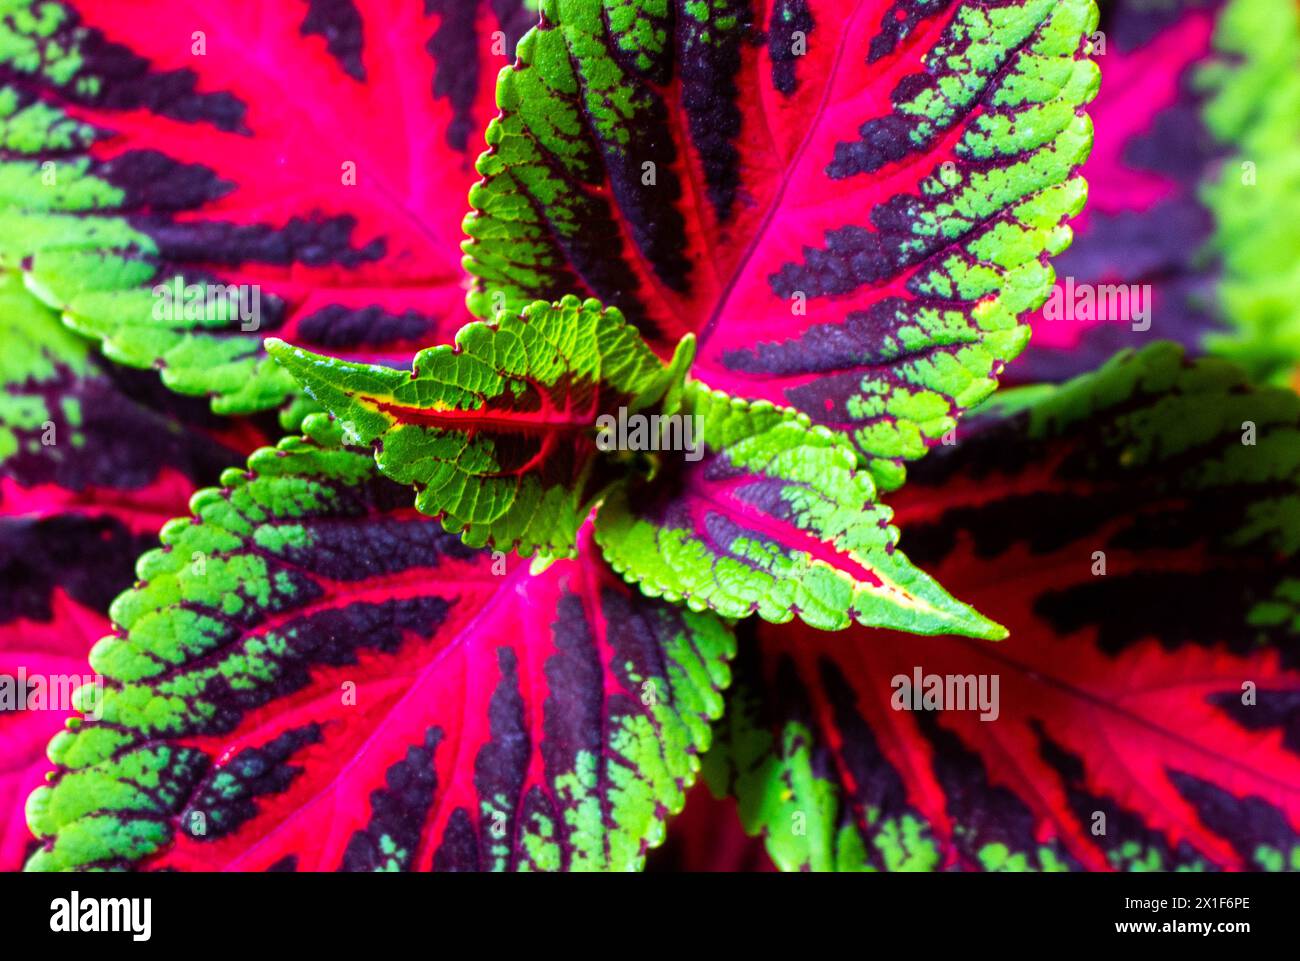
(505,437)
(497,433)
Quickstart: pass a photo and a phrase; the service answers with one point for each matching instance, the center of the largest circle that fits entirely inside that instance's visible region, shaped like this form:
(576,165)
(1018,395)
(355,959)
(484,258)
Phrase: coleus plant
(927,302)
(817,227)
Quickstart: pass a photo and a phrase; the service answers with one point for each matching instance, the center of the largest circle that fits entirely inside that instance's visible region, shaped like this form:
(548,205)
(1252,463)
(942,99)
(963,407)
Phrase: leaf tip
(974,624)
(277,349)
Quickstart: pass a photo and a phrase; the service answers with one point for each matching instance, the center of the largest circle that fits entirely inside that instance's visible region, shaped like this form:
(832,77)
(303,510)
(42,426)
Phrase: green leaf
(773,516)
(497,433)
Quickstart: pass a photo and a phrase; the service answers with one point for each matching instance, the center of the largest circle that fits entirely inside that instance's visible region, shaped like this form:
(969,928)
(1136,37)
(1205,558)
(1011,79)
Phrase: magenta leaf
(1145,225)
(1142,713)
(92,463)
(854,217)
(184,181)
(311,676)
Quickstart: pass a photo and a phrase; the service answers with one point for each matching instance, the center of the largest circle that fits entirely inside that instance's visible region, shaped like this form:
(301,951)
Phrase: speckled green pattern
(988,225)
(307,561)
(776,519)
(1254,106)
(201,354)
(615,803)
(58,222)
(984,140)
(1104,670)
(65,230)
(118,773)
(788,793)
(497,432)
(779,794)
(525,211)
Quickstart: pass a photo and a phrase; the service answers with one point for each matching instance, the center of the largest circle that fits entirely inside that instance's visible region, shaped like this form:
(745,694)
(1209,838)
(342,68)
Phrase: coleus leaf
(1193,192)
(1146,562)
(310,675)
(853,217)
(498,431)
(91,466)
(320,153)
(773,517)
(754,510)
